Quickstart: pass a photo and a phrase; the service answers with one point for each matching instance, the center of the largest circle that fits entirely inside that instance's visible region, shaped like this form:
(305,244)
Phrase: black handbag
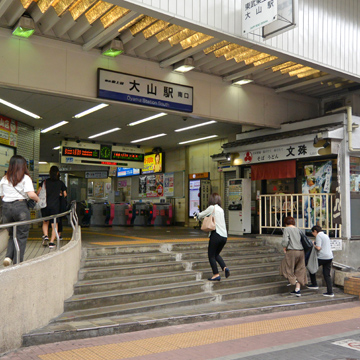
(306,243)
(31,203)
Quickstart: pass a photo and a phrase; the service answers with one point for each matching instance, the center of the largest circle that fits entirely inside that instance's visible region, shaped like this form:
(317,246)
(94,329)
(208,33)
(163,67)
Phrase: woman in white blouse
(217,237)
(15,188)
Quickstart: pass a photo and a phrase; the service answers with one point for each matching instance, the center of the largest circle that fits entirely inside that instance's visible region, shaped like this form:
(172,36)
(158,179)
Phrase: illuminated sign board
(103,155)
(153,163)
(122,172)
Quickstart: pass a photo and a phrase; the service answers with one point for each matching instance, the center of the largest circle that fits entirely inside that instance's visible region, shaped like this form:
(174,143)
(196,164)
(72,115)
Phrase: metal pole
(17,248)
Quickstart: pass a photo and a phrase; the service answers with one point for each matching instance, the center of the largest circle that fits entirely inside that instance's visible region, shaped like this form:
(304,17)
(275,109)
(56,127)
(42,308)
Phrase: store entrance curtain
(274,170)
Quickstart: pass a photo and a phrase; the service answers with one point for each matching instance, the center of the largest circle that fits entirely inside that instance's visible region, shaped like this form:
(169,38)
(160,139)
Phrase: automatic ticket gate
(162,214)
(100,214)
(120,214)
(142,214)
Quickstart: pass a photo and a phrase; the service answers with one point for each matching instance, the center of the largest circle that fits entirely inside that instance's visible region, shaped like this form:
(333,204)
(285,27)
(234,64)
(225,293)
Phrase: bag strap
(25,197)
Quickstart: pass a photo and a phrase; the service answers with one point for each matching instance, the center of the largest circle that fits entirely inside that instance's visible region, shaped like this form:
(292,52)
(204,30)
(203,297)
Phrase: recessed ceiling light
(195,126)
(91,110)
(148,138)
(104,133)
(56,148)
(147,119)
(19,109)
(204,138)
(185,65)
(42,162)
(54,126)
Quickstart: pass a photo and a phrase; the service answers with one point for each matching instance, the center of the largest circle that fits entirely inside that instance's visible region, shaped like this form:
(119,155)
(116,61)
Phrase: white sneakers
(7,261)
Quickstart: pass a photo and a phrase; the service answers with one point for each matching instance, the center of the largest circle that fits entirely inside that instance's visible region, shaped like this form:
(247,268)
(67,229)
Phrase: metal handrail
(73,220)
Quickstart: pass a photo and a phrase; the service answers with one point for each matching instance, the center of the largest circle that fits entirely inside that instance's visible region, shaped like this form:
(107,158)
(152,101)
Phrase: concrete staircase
(128,288)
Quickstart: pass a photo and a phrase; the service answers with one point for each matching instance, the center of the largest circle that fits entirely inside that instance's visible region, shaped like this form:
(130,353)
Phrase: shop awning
(274,170)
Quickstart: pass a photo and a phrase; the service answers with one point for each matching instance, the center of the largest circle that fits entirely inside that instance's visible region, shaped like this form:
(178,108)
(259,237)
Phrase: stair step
(129,282)
(71,330)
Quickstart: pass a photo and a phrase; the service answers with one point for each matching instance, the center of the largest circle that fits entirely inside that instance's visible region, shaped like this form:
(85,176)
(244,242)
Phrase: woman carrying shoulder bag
(217,237)
(15,187)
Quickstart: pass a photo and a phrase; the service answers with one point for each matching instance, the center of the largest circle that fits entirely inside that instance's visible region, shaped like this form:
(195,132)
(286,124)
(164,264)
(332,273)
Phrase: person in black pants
(325,257)
(217,237)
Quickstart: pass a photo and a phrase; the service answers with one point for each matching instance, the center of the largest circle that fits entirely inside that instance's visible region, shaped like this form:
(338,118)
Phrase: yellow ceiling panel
(79,7)
(225,49)
(155,28)
(238,51)
(98,10)
(263,61)
(256,58)
(168,32)
(142,25)
(301,70)
(131,23)
(291,68)
(195,40)
(61,6)
(44,5)
(113,15)
(283,66)
(308,73)
(217,46)
(246,55)
(182,35)
(26,3)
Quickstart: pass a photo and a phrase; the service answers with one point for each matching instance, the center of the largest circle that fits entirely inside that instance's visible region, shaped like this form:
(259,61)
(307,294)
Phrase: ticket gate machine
(120,214)
(100,213)
(162,214)
(142,214)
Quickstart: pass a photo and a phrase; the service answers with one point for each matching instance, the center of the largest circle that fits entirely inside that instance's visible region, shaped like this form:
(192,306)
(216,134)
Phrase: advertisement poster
(151,186)
(142,186)
(99,189)
(159,185)
(169,184)
(153,163)
(107,188)
(194,197)
(317,180)
(8,131)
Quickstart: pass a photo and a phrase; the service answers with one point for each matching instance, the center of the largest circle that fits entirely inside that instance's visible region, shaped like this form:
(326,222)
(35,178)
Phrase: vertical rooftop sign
(144,91)
(257,13)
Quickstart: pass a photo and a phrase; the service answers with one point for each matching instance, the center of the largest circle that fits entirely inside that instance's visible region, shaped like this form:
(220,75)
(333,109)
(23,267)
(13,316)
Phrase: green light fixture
(25,27)
(113,48)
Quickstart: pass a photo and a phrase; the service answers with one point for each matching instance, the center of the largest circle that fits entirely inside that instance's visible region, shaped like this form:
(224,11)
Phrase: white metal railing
(307,210)
(73,221)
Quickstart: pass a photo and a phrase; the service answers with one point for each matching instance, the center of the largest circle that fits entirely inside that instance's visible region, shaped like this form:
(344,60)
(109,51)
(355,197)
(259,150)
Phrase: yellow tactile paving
(172,342)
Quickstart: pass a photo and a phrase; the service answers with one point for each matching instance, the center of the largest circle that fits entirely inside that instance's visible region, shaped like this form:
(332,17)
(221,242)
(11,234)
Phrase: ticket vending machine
(239,198)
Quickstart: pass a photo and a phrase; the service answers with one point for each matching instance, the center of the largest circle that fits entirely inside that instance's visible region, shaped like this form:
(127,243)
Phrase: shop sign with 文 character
(286,152)
(257,13)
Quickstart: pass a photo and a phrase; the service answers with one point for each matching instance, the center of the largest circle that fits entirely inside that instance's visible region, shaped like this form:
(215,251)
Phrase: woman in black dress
(54,189)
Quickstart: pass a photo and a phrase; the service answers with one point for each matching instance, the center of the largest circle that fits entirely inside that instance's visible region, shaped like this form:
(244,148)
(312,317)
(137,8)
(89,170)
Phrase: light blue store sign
(144,91)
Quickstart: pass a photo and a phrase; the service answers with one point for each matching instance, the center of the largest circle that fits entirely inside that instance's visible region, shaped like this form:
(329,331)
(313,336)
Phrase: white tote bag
(42,198)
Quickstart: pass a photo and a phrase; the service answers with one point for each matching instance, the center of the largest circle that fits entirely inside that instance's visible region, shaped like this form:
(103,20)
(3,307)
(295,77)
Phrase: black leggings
(216,244)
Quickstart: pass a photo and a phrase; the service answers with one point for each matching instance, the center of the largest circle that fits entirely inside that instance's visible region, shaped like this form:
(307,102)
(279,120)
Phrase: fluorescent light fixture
(42,162)
(148,138)
(54,126)
(113,48)
(244,80)
(20,109)
(104,133)
(91,110)
(204,138)
(185,65)
(56,148)
(195,126)
(147,119)
(25,27)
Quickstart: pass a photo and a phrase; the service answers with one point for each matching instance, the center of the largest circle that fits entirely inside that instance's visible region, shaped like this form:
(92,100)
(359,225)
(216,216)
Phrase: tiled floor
(254,337)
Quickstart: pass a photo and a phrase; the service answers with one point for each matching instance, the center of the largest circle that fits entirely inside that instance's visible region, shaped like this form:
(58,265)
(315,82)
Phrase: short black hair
(316,228)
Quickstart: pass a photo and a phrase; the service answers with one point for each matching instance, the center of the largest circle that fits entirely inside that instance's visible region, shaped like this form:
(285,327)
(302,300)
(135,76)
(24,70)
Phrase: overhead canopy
(274,170)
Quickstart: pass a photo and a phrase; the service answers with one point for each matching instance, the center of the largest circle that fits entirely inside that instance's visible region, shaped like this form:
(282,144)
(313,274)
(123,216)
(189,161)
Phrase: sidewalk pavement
(307,334)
